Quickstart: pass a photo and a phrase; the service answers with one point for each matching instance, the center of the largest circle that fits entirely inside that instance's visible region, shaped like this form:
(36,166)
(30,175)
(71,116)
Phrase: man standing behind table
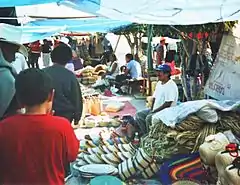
(165,95)
(36,147)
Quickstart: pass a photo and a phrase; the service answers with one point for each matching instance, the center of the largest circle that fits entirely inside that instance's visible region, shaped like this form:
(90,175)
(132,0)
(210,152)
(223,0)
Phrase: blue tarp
(80,25)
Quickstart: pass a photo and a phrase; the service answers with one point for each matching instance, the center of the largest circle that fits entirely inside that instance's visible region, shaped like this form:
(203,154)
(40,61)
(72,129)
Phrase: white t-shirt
(70,66)
(167,92)
(20,63)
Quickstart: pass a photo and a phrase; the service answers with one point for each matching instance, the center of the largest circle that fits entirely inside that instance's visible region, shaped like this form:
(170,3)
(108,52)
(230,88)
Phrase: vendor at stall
(68,97)
(165,95)
(114,68)
(35,146)
(133,69)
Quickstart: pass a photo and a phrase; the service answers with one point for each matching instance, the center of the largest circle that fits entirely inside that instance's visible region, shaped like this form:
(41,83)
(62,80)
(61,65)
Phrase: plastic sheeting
(80,25)
(31,34)
(173,12)
(152,12)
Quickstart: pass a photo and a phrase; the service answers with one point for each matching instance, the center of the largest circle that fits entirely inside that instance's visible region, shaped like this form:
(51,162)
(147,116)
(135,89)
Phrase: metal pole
(149,48)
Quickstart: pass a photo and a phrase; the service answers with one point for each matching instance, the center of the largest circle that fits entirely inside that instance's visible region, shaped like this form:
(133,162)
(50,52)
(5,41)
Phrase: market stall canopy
(79,25)
(156,40)
(174,12)
(53,15)
(25,35)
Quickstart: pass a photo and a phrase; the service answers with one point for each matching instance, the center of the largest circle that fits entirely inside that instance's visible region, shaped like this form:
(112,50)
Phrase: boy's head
(34,88)
(62,54)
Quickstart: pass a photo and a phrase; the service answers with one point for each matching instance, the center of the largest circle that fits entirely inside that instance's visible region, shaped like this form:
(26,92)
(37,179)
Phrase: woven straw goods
(222,160)
(187,136)
(111,159)
(232,176)
(124,155)
(151,170)
(95,150)
(126,169)
(212,145)
(142,160)
(93,159)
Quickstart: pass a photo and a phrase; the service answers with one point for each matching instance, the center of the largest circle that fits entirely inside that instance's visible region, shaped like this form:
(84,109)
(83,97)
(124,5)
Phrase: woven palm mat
(163,142)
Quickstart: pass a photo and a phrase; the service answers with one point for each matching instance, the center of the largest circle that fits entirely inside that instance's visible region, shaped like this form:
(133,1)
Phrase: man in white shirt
(20,63)
(165,95)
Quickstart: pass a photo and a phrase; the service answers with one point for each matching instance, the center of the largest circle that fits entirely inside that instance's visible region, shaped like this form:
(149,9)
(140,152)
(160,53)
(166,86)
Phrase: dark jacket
(8,102)
(68,96)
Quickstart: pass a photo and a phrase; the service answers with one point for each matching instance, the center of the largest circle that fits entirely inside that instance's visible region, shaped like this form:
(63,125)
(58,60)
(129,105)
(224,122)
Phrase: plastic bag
(96,106)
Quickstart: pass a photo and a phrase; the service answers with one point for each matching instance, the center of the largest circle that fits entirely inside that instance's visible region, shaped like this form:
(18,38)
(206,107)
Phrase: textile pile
(163,141)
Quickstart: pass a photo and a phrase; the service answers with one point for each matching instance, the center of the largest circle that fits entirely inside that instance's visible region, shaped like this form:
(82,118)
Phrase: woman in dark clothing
(68,97)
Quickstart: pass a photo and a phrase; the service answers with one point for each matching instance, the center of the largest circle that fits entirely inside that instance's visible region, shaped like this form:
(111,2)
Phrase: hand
(76,122)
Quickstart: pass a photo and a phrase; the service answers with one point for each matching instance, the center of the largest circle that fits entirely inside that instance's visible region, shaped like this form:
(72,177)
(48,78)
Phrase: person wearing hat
(161,51)
(164,96)
(8,49)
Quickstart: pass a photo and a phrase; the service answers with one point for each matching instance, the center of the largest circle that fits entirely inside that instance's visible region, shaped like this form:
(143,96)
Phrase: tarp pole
(149,48)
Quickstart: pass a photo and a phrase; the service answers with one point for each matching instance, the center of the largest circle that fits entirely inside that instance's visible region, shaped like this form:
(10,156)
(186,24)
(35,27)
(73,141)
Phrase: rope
(162,142)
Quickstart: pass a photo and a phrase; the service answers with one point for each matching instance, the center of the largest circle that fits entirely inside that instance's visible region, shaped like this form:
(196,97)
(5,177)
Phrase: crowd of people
(38,107)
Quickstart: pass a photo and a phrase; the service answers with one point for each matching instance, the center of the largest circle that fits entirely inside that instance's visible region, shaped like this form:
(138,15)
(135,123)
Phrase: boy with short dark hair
(36,147)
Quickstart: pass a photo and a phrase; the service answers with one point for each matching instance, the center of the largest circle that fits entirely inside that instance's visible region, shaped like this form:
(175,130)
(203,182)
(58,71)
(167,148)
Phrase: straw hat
(111,159)
(124,155)
(142,160)
(126,169)
(110,148)
(212,145)
(126,148)
(12,35)
(222,160)
(93,159)
(151,170)
(95,150)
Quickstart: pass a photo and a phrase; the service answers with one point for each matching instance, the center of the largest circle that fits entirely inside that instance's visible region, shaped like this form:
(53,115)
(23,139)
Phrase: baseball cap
(164,68)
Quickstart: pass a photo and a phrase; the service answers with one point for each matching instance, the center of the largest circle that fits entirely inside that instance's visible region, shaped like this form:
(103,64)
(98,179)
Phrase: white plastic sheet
(174,115)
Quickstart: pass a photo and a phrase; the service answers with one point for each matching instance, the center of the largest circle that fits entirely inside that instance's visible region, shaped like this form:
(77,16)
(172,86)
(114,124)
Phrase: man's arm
(76,96)
(164,106)
(153,101)
(128,68)
(71,144)
(7,90)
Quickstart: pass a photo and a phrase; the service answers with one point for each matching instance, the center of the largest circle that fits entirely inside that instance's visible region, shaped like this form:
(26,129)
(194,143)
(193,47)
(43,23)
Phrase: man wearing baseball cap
(164,96)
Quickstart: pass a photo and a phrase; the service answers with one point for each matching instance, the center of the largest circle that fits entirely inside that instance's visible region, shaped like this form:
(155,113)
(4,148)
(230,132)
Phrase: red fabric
(35,47)
(35,148)
(174,71)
